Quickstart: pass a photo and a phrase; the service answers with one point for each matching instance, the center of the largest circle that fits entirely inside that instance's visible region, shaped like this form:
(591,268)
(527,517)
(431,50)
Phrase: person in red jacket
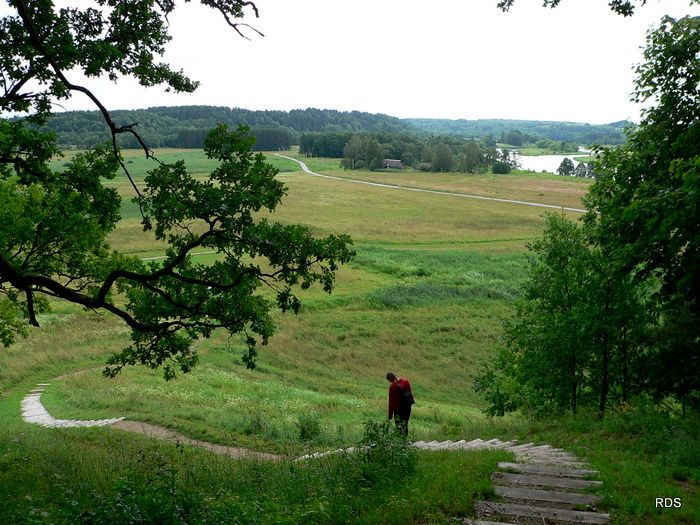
(400,401)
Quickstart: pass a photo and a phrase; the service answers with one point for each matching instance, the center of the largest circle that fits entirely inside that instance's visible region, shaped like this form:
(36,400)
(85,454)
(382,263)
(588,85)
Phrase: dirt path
(154,431)
(436,192)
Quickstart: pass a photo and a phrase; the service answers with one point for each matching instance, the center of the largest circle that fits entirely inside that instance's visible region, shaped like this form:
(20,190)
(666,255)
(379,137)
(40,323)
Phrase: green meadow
(434,279)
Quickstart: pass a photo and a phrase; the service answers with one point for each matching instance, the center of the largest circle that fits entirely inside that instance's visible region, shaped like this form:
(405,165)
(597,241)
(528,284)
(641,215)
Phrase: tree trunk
(604,384)
(573,382)
(604,380)
(625,366)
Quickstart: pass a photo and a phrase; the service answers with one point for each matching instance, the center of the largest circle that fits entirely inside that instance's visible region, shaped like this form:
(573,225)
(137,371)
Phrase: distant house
(392,163)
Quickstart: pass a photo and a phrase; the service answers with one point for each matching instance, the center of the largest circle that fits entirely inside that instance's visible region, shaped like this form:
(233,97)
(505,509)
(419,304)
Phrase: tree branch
(221,7)
(24,281)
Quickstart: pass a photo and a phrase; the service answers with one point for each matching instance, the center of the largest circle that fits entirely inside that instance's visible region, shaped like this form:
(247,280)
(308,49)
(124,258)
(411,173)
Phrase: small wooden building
(393,164)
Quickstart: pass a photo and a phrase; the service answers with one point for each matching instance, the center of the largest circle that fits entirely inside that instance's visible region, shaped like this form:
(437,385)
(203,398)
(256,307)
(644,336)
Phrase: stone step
(544,470)
(535,480)
(531,514)
(549,455)
(558,463)
(540,448)
(546,449)
(547,496)
(473,444)
(468,521)
(505,444)
(519,448)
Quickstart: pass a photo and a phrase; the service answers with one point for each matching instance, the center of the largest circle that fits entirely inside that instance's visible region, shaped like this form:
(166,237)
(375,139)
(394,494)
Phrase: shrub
(309,426)
(500,168)
(386,455)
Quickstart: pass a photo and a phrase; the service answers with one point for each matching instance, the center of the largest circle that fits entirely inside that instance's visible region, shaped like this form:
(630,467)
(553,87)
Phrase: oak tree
(54,225)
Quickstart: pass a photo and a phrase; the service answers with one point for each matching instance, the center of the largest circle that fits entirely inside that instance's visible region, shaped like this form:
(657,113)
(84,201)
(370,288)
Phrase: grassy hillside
(433,280)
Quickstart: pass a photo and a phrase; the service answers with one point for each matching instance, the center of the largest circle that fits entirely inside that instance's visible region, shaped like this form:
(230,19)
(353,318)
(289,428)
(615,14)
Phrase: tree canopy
(645,205)
(618,309)
(621,7)
(54,225)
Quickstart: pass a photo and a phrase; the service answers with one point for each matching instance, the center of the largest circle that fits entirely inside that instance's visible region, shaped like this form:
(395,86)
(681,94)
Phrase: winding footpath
(305,168)
(544,486)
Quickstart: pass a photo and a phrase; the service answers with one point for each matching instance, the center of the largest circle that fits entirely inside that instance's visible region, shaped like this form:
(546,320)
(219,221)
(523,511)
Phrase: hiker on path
(400,401)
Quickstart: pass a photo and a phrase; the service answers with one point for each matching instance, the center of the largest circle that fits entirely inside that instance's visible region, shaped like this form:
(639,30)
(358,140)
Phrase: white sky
(410,58)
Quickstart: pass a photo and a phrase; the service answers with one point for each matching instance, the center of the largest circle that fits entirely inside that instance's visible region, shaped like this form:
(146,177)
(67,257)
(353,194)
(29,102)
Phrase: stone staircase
(545,486)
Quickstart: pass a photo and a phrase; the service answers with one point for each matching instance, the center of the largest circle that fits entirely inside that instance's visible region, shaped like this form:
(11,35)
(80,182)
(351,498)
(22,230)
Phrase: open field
(543,151)
(518,185)
(433,281)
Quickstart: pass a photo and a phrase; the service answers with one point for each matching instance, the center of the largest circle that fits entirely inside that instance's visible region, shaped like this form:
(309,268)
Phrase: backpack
(407,398)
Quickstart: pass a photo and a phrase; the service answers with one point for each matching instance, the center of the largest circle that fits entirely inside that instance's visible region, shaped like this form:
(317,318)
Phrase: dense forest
(612,133)
(186,126)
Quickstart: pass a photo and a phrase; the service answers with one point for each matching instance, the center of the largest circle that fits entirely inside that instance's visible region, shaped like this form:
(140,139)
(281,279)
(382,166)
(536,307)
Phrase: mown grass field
(434,279)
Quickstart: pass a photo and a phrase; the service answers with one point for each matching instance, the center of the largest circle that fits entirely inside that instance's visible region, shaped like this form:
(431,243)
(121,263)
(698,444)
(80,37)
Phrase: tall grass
(98,477)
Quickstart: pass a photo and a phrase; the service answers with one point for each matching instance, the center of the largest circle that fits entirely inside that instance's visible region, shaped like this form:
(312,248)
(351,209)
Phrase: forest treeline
(613,133)
(186,127)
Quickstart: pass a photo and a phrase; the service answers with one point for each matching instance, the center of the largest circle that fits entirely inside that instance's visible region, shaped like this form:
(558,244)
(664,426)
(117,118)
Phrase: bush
(500,168)
(256,426)
(386,455)
(309,426)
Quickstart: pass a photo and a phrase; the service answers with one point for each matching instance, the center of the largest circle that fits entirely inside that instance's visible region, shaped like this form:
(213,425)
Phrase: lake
(548,163)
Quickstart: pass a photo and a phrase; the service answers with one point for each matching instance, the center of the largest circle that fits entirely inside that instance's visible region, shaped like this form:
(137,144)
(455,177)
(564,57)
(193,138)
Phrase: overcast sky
(409,58)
